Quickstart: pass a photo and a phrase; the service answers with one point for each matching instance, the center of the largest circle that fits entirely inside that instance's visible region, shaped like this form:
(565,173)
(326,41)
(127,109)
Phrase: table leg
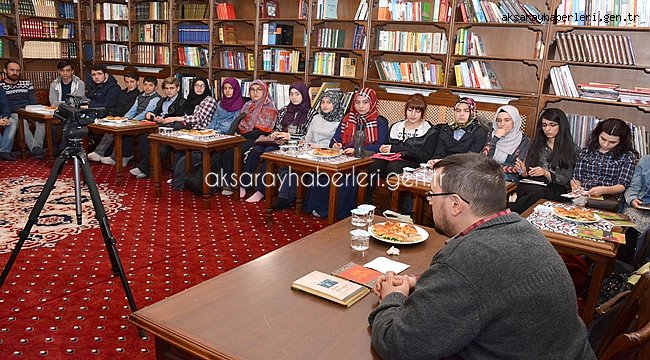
(118,159)
(21,138)
(206,171)
(188,161)
(237,170)
(155,161)
(331,209)
(49,141)
(268,193)
(300,195)
(594,290)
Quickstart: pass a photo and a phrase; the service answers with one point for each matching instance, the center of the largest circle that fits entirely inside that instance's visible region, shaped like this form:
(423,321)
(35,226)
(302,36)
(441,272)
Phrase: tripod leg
(109,240)
(36,211)
(77,191)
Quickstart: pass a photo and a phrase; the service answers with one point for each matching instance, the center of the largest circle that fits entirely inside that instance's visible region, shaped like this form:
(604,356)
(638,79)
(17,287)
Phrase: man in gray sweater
(497,290)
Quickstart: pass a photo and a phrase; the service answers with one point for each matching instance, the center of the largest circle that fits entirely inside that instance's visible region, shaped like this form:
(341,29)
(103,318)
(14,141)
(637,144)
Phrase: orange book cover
(357,274)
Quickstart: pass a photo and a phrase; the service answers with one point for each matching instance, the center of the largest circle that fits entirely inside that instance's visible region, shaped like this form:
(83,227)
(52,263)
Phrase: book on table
(330,287)
(358,274)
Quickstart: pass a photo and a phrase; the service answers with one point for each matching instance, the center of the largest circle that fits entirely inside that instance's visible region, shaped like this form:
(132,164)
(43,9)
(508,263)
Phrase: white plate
(423,233)
(577,221)
(311,152)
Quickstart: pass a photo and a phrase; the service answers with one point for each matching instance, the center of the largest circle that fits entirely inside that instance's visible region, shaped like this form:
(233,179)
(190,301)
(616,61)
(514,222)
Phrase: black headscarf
(193,99)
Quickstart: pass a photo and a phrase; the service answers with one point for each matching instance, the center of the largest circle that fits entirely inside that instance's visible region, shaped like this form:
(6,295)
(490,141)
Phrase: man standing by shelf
(103,91)
(20,93)
(67,83)
(497,290)
(8,126)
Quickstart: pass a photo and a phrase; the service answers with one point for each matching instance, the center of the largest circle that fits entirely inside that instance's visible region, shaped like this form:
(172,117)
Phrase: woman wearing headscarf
(260,119)
(465,134)
(228,107)
(364,112)
(325,119)
(199,106)
(293,121)
(507,143)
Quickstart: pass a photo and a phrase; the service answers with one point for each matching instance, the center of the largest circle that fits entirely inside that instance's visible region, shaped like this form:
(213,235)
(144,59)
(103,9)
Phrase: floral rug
(57,221)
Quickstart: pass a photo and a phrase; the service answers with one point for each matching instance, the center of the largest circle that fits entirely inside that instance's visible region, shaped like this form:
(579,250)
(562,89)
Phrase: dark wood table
(251,312)
(118,132)
(299,165)
(602,254)
(206,147)
(32,116)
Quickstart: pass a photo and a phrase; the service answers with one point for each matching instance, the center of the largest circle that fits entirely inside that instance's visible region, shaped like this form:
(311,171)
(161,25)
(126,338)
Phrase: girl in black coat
(465,134)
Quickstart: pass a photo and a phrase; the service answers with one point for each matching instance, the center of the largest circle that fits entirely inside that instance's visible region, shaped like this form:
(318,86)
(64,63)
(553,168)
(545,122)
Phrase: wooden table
(206,147)
(400,183)
(300,165)
(118,131)
(602,254)
(250,312)
(32,116)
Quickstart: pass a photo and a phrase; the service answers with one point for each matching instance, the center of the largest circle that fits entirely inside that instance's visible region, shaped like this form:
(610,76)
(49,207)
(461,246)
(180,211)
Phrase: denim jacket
(640,186)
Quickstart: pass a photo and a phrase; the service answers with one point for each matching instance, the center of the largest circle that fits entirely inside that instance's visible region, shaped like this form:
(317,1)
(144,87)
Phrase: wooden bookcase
(520,54)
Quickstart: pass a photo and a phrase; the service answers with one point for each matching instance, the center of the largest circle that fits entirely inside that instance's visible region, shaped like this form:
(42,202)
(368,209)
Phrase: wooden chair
(628,336)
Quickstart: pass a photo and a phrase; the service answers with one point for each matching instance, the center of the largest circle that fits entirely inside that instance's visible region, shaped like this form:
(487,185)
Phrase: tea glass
(359,240)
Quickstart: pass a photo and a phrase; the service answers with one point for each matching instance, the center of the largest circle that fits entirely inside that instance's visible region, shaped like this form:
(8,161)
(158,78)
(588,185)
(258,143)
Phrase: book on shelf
(225,10)
(348,67)
(330,287)
(330,38)
(417,72)
(193,11)
(362,10)
(270,9)
(619,13)
(327,9)
(227,34)
(562,82)
(468,43)
(595,48)
(476,74)
(411,41)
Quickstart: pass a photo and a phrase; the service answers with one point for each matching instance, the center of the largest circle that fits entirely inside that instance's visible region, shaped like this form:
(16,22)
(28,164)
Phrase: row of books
(193,56)
(562,81)
(417,72)
(331,63)
(327,9)
(411,41)
(476,74)
(362,11)
(193,11)
(42,8)
(67,10)
(359,37)
(582,125)
(622,13)
(48,29)
(114,52)
(277,34)
(111,11)
(595,48)
(40,79)
(330,38)
(282,60)
(49,50)
(112,32)
(151,54)
(152,32)
(236,60)
(6,6)
(225,11)
(400,10)
(506,11)
(613,92)
(155,10)
(194,33)
(468,43)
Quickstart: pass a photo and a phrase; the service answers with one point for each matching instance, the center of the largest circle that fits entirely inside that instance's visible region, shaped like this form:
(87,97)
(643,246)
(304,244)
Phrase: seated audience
(20,93)
(507,143)
(228,107)
(410,143)
(465,134)
(260,119)
(364,112)
(638,194)
(551,159)
(170,106)
(292,121)
(605,167)
(198,108)
(497,289)
(8,127)
(325,119)
(144,103)
(67,83)
(103,91)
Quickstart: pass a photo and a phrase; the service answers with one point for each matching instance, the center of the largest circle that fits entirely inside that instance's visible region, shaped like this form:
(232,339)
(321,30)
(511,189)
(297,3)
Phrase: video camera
(75,115)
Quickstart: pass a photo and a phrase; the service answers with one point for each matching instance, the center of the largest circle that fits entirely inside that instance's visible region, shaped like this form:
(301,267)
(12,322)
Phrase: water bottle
(359,141)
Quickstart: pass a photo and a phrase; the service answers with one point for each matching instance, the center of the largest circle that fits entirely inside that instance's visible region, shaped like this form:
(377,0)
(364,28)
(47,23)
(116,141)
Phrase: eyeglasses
(256,89)
(430,194)
(199,85)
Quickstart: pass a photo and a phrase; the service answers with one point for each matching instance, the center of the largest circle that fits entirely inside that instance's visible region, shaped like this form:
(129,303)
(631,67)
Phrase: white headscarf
(509,143)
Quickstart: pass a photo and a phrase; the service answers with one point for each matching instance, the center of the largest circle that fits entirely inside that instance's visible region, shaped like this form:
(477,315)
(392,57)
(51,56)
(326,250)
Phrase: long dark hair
(564,152)
(613,127)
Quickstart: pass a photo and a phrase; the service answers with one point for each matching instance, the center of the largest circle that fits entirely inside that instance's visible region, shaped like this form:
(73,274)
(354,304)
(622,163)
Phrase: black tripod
(74,151)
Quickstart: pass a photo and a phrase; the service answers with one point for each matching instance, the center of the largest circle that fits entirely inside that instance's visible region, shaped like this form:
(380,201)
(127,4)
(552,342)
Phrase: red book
(357,274)
(230,11)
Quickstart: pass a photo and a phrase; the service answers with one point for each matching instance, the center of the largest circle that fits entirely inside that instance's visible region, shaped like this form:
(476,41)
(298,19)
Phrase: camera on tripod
(75,115)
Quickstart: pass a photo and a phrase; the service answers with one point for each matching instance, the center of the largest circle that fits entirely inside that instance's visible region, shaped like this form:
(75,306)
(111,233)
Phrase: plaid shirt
(602,169)
(202,114)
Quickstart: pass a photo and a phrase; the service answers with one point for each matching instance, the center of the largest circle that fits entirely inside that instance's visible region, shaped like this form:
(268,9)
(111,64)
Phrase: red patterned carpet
(61,300)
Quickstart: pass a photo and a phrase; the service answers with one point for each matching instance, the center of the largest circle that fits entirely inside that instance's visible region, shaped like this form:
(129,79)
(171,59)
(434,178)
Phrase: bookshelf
(191,40)
(111,25)
(150,27)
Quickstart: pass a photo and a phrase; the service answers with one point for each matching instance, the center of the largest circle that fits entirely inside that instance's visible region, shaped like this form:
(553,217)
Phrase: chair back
(628,337)
(235,124)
